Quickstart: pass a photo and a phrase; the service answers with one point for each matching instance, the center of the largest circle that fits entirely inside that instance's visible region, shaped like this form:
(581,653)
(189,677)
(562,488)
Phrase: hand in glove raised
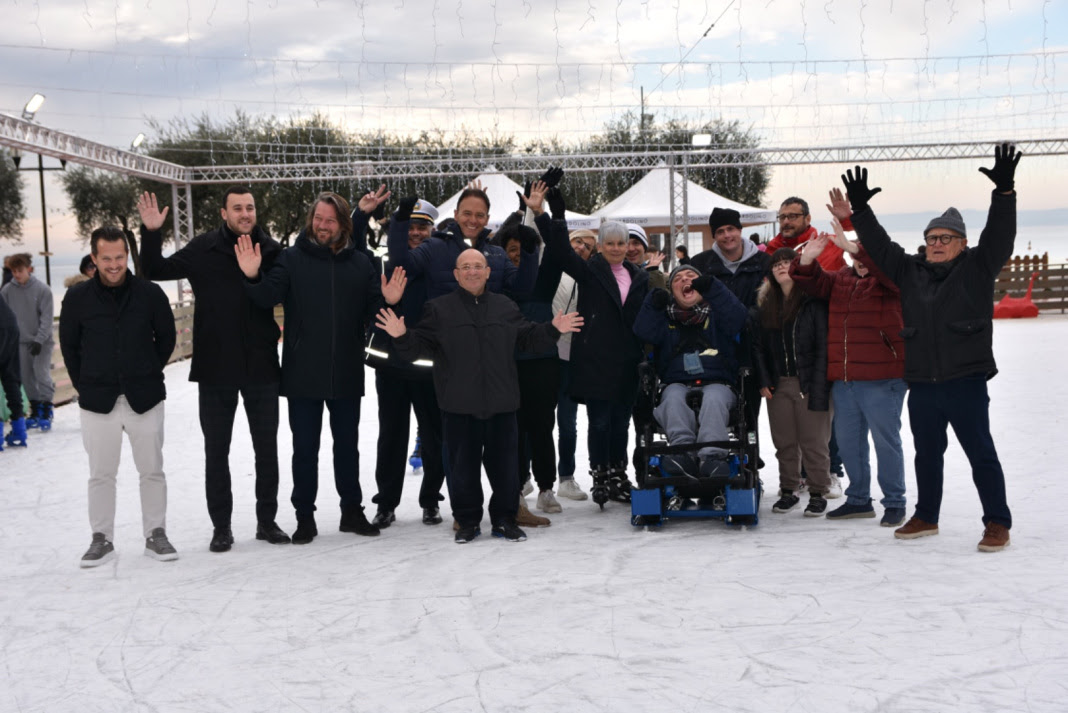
(1004,170)
(857,188)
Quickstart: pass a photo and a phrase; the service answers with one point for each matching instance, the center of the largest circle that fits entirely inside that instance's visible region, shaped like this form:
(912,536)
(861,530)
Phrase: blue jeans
(567,424)
(861,407)
(963,404)
(609,430)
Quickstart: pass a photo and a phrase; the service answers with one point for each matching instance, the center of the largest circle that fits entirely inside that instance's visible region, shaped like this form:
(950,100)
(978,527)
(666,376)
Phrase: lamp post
(28,112)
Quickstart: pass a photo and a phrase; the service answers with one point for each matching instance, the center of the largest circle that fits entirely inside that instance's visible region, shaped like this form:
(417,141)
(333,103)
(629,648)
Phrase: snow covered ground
(590,614)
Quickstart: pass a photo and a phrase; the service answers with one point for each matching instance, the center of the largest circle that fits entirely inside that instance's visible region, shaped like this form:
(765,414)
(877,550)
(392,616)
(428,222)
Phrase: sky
(797,74)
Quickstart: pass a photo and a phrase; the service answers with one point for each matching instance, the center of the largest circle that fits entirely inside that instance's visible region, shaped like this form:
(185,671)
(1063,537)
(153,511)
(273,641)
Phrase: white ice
(796,614)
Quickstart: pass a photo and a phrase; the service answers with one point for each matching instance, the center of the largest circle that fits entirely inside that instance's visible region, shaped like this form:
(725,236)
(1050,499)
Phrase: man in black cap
(736,262)
(947,301)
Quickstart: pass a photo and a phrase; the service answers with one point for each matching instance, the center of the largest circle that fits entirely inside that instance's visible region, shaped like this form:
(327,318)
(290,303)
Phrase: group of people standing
(493,339)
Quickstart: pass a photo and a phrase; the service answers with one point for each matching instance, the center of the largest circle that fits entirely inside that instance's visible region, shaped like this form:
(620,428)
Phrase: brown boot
(914,528)
(525,518)
(995,538)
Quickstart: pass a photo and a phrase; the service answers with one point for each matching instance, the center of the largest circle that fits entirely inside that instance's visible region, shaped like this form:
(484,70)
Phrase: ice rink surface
(590,614)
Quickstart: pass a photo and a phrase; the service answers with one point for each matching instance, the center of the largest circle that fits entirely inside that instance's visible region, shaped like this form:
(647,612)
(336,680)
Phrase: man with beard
(795,229)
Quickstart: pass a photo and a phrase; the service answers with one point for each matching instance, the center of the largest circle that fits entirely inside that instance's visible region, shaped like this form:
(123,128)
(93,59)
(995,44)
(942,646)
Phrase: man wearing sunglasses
(947,299)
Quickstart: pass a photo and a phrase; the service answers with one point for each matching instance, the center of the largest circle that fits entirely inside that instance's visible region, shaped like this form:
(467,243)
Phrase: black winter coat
(744,282)
(948,308)
(472,341)
(606,353)
(235,342)
(810,352)
(330,299)
(116,343)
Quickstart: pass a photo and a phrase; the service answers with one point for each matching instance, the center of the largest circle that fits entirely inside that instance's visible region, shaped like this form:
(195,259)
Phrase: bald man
(471,335)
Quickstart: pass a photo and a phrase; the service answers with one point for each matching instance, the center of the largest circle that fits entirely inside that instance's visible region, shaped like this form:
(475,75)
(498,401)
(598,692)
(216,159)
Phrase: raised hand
(393,290)
(839,238)
(571,322)
(372,199)
(659,299)
(151,216)
(857,188)
(1004,171)
(701,283)
(813,248)
(839,206)
(404,210)
(655,259)
(390,323)
(476,184)
(248,256)
(551,177)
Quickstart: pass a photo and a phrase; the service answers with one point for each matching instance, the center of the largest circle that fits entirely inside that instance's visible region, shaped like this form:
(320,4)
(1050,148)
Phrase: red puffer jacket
(864,323)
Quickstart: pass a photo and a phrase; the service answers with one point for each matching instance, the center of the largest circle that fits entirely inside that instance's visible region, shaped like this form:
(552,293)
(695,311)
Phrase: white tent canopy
(648,203)
(501,191)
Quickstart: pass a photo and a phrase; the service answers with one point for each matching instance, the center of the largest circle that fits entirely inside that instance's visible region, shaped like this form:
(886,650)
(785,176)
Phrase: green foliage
(100,198)
(12,208)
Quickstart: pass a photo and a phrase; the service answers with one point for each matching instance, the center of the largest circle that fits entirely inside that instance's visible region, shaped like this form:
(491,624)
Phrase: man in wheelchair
(692,329)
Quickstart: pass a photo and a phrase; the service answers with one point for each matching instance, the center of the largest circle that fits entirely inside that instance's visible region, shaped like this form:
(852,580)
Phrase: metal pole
(44,221)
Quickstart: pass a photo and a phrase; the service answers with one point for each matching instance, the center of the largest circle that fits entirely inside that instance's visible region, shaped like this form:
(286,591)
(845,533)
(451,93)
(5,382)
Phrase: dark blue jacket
(671,340)
(435,260)
(330,299)
(538,305)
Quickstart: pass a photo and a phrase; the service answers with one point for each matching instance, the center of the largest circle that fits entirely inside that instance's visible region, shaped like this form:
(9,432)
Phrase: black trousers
(539,382)
(10,375)
(397,397)
(218,404)
(306,423)
(470,443)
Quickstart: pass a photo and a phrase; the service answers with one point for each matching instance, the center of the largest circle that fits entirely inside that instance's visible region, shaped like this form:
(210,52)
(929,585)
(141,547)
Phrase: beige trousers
(800,436)
(102,438)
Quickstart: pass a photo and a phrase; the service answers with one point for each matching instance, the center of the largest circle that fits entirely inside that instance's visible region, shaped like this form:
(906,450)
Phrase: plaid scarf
(692,317)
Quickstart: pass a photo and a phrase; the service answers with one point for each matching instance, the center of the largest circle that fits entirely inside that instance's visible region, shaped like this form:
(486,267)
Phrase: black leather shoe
(431,516)
(306,530)
(273,534)
(222,540)
(383,519)
(353,520)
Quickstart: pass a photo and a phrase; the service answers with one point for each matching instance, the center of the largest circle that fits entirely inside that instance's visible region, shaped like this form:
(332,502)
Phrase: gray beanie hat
(949,220)
(682,268)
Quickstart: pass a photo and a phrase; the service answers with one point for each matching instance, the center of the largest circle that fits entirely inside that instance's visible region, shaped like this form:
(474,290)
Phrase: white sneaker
(570,489)
(528,487)
(547,502)
(836,488)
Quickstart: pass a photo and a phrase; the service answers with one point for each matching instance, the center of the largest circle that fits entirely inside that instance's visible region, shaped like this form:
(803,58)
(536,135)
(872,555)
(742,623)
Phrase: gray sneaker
(99,552)
(158,547)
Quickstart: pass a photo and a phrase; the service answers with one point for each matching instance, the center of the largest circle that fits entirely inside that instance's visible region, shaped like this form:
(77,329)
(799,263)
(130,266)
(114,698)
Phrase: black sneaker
(384,518)
(509,531)
(99,552)
(787,502)
(306,530)
(271,533)
(222,540)
(817,505)
(431,516)
(158,547)
(353,520)
(678,464)
(466,534)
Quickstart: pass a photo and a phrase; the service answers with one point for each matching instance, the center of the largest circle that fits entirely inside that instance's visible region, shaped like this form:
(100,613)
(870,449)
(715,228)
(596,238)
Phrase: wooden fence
(1051,285)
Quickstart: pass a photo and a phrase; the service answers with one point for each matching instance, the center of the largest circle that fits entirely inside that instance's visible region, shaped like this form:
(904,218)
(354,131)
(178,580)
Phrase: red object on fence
(1014,307)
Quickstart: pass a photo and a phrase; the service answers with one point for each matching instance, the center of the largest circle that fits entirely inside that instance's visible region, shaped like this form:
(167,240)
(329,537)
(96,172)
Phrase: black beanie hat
(724,216)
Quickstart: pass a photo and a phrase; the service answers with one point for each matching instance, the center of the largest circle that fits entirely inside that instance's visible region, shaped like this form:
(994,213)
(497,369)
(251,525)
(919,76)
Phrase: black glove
(528,239)
(35,348)
(404,210)
(526,192)
(557,208)
(1005,160)
(551,178)
(857,188)
(659,299)
(701,284)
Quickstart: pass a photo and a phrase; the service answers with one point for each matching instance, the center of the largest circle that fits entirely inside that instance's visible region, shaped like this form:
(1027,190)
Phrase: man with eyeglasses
(947,299)
(471,335)
(795,229)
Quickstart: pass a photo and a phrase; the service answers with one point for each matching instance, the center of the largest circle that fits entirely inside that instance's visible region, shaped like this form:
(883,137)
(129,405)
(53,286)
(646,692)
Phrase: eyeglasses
(471,268)
(944,238)
(789,216)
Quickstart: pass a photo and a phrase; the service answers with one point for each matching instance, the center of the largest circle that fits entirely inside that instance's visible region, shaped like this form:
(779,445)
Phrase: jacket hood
(749,249)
